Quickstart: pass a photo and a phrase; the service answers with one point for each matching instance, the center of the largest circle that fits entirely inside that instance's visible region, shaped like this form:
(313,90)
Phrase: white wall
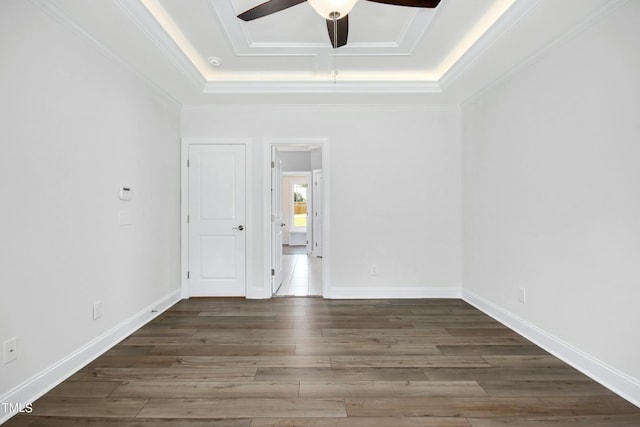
(551,196)
(295,161)
(75,128)
(394,186)
(549,188)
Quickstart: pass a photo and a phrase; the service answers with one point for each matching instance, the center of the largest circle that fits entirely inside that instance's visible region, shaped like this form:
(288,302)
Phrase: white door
(217,220)
(276,220)
(317,213)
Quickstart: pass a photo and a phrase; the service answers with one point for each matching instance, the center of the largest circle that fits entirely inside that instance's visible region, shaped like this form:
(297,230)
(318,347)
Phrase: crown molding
(377,87)
(148,25)
(319,79)
(513,15)
(58,15)
(213,108)
(536,55)
(243,46)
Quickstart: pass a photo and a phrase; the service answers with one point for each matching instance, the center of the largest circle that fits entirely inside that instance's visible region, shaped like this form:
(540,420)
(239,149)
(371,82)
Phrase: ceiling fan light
(325,8)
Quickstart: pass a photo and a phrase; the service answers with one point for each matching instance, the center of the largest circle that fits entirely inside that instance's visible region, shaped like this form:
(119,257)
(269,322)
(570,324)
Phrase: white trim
(42,382)
(244,46)
(511,17)
(323,86)
(615,380)
(537,55)
(389,292)
(148,25)
(349,108)
(49,8)
(184,205)
(313,251)
(323,143)
(326,219)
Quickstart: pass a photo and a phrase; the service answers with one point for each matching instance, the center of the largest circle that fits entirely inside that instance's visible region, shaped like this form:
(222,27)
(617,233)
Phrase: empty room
(313,213)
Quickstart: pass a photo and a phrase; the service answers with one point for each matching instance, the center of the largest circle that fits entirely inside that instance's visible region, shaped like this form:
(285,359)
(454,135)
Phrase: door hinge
(187,162)
(187,219)
(273,164)
(188,274)
(273,272)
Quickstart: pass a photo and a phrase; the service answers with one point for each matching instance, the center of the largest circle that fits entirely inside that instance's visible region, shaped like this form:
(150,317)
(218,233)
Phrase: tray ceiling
(198,51)
(386,43)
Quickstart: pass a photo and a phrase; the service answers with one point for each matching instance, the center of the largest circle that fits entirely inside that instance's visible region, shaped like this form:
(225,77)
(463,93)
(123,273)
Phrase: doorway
(296,216)
(297,201)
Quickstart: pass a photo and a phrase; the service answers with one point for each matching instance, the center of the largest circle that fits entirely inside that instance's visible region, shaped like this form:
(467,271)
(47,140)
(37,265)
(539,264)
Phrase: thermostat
(126,193)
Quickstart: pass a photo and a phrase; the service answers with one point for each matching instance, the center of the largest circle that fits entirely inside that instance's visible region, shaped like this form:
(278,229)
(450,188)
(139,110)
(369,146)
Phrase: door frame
(316,224)
(185,143)
(323,143)
(277,231)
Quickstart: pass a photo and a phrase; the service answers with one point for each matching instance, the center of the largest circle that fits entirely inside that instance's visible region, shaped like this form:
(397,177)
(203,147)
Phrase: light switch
(124,218)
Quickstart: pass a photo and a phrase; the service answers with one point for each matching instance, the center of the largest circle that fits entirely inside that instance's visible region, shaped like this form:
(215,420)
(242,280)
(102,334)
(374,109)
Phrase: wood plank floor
(311,362)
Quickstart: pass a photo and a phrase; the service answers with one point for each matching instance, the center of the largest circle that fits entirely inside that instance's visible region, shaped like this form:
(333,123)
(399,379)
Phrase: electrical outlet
(374,269)
(97,310)
(10,350)
(522,295)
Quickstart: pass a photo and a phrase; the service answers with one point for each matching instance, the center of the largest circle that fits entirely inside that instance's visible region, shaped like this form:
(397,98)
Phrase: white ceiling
(394,54)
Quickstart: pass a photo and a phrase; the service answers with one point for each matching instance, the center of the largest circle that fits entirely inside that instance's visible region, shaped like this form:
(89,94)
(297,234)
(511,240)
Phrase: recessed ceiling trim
(260,87)
(243,45)
(150,16)
(311,49)
(379,107)
(414,30)
(233,29)
(288,49)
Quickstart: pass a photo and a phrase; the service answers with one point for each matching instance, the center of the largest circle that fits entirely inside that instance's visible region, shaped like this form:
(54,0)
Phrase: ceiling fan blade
(267,8)
(412,3)
(342,28)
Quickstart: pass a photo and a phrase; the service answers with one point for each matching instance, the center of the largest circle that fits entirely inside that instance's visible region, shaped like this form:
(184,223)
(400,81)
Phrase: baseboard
(616,381)
(410,292)
(41,383)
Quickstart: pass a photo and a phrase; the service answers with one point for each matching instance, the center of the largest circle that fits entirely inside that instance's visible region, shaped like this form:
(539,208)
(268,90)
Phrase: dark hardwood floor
(314,362)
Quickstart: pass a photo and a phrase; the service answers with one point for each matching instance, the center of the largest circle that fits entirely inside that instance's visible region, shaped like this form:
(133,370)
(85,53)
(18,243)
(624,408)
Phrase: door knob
(283,225)
(240,227)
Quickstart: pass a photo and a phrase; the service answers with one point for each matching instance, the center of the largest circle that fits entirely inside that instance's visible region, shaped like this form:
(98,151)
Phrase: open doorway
(296,220)
(297,200)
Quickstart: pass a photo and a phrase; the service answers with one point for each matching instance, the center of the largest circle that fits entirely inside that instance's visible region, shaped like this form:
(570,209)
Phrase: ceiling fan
(335,12)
